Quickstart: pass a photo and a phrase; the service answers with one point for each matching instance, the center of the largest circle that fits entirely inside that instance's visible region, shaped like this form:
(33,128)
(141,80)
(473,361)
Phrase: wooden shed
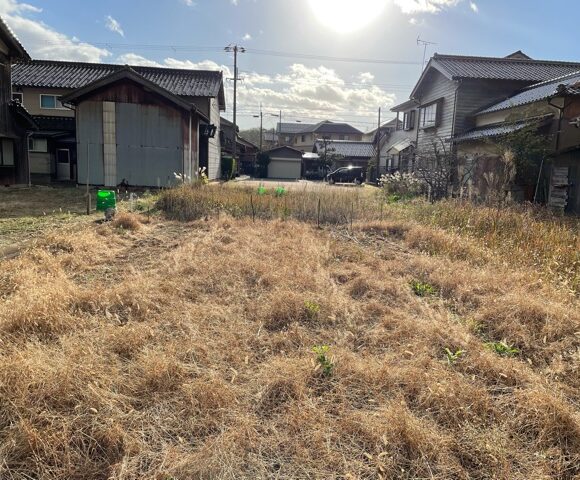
(131,130)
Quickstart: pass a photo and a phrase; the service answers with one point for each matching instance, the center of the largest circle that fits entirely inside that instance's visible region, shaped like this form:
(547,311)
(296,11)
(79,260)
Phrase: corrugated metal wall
(90,142)
(149,144)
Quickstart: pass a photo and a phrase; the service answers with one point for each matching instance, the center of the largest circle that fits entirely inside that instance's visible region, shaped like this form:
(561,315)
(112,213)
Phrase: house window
(7,153)
(17,97)
(429,115)
(341,137)
(409,120)
(287,139)
(50,102)
(37,145)
(303,138)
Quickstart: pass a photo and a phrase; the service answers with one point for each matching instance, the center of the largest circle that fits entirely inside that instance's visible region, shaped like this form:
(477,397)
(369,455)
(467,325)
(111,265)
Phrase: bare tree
(434,166)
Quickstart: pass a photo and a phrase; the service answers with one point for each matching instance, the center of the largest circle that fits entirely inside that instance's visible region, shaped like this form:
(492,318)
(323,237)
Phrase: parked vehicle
(346,175)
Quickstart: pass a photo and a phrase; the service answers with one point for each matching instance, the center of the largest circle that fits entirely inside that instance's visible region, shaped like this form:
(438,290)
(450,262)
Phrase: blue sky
(303,87)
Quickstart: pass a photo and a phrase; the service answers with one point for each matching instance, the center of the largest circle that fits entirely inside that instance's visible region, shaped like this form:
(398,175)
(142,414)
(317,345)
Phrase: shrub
(400,185)
(228,166)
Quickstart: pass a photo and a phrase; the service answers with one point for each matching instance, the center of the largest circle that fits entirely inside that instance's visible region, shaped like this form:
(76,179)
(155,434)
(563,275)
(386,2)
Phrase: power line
(274,53)
(309,56)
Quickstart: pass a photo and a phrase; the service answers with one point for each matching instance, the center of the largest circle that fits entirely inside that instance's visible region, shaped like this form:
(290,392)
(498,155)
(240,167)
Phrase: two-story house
(15,123)
(304,136)
(550,108)
(55,154)
(453,87)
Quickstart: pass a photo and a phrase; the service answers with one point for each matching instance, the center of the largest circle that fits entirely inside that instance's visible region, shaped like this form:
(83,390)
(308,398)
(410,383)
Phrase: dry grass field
(174,349)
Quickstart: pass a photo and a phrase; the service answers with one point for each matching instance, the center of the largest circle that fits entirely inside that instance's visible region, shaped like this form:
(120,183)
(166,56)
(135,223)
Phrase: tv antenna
(425,44)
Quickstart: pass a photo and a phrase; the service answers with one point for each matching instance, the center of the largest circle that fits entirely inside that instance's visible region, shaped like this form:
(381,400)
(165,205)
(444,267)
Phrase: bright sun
(345,16)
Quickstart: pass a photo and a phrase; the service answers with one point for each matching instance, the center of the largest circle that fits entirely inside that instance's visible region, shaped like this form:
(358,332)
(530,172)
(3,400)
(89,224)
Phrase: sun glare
(346,16)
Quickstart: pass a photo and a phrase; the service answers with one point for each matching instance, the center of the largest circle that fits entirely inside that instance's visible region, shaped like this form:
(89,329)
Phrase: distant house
(246,151)
(387,129)
(551,108)
(304,136)
(344,153)
(269,140)
(398,148)
(285,163)
(40,84)
(15,122)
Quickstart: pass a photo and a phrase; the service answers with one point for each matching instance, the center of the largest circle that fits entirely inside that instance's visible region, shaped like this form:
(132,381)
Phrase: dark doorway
(204,154)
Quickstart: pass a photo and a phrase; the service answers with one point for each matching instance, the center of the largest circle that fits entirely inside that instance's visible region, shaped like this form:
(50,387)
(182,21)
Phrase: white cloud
(316,93)
(425,6)
(300,91)
(235,2)
(247,37)
(113,25)
(134,59)
(366,77)
(41,40)
(474,7)
(189,3)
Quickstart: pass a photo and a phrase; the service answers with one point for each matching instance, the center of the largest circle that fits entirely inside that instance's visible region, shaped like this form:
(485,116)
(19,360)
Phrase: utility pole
(280,130)
(235,49)
(261,117)
(261,127)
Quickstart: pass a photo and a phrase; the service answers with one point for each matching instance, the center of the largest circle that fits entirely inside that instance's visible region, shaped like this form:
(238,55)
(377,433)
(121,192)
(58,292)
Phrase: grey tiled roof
(323,127)
(332,127)
(73,75)
(347,148)
(458,66)
(499,129)
(535,93)
(292,128)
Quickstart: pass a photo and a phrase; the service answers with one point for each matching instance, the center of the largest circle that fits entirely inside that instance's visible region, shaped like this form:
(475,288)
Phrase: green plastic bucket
(106,199)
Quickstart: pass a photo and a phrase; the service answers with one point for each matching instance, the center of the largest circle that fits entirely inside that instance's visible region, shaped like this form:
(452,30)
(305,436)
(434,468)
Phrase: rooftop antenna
(425,44)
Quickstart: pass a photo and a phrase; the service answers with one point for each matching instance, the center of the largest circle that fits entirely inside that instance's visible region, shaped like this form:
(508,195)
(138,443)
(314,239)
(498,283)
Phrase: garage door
(288,169)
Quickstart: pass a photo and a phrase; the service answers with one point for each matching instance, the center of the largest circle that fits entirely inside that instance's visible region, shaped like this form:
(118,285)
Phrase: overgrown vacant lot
(178,350)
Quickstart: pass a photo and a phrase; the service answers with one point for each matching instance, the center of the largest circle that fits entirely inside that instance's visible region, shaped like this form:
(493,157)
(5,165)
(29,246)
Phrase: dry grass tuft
(127,221)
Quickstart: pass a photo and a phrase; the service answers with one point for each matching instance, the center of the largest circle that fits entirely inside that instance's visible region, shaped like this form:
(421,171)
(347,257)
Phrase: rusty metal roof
(73,75)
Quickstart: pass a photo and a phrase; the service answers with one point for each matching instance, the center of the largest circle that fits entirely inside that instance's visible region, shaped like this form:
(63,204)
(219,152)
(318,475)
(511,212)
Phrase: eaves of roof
(9,37)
